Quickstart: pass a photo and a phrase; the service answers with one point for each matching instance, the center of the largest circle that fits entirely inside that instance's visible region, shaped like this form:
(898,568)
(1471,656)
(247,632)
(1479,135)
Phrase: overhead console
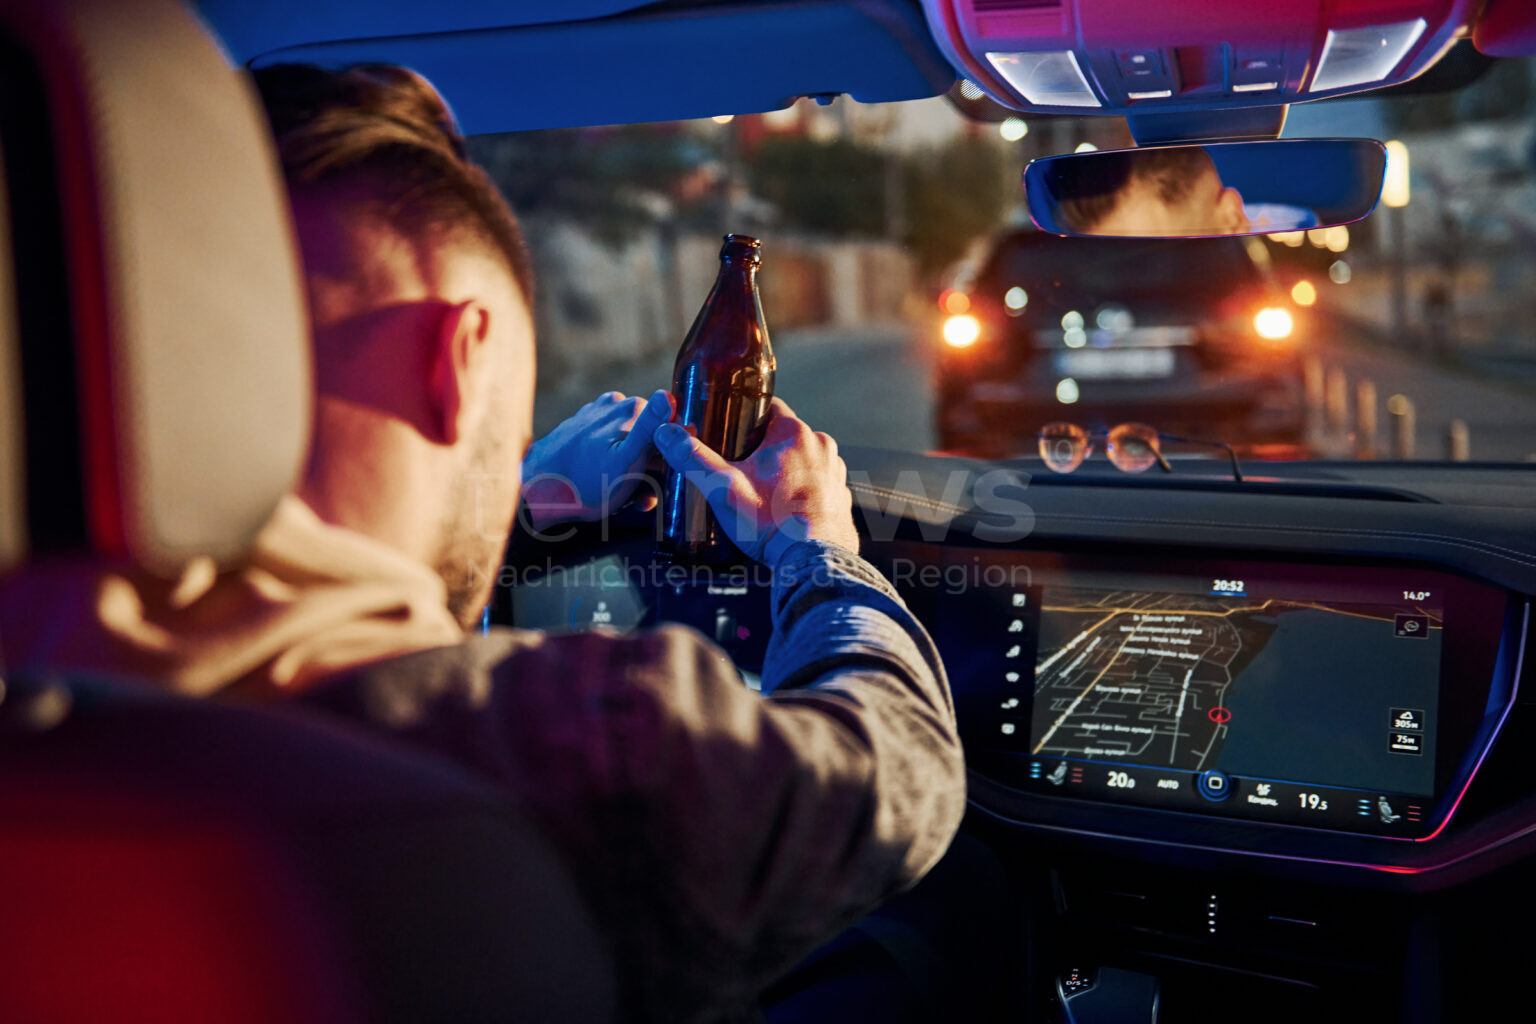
(1108,57)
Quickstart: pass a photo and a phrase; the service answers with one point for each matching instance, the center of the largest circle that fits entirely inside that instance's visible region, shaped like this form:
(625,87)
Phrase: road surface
(864,387)
(871,387)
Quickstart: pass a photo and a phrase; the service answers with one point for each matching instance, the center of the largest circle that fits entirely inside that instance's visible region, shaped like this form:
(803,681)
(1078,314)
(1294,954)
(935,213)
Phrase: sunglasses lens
(1132,447)
(1063,446)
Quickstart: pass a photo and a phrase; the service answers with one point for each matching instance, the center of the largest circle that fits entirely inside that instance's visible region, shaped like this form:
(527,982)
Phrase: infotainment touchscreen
(1208,673)
(1302,695)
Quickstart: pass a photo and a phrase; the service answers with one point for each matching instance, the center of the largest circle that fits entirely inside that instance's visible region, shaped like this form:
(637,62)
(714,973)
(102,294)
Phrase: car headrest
(154,358)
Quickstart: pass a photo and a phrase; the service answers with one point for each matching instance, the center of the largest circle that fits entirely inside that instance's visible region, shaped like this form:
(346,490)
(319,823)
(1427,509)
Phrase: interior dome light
(1052,79)
(1359,56)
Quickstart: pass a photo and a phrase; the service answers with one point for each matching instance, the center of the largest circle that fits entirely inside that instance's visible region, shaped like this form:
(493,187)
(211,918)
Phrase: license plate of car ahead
(1111,363)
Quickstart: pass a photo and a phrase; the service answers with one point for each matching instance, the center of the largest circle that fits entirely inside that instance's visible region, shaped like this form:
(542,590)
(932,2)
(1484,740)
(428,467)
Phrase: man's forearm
(832,608)
(842,635)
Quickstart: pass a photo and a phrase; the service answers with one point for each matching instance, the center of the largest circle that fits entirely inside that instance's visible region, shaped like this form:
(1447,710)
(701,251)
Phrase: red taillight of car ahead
(1273,323)
(954,302)
(961,330)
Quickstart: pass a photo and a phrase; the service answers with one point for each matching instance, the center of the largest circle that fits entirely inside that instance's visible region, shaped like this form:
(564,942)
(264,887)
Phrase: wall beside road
(1453,274)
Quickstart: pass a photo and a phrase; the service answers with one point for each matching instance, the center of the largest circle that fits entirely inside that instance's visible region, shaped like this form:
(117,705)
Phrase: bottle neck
(737,280)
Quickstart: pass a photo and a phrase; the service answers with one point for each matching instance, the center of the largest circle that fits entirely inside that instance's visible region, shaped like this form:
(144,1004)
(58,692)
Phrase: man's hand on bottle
(592,462)
(793,487)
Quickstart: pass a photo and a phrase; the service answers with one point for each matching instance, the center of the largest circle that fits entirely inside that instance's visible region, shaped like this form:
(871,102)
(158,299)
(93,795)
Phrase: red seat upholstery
(145,908)
(164,859)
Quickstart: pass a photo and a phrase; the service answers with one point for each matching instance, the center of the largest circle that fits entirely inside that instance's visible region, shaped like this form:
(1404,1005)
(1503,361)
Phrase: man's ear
(1230,217)
(456,366)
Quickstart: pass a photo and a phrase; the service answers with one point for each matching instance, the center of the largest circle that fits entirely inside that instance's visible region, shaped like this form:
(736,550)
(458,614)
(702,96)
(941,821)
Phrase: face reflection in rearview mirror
(1221,188)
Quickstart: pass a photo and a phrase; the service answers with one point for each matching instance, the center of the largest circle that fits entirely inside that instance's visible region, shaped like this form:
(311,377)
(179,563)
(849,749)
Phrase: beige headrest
(189,338)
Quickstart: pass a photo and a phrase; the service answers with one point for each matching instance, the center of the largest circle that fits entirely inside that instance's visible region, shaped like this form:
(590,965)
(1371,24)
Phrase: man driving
(717,834)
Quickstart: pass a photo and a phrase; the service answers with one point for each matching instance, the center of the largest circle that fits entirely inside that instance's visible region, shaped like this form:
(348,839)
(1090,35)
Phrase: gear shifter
(1107,995)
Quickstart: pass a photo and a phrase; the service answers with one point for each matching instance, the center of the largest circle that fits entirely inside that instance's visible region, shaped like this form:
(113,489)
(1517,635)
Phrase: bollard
(1312,390)
(1365,420)
(1337,402)
(1458,441)
(1400,407)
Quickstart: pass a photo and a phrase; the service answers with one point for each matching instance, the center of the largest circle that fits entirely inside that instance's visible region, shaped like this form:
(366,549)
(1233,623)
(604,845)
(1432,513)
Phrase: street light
(1394,193)
(1394,187)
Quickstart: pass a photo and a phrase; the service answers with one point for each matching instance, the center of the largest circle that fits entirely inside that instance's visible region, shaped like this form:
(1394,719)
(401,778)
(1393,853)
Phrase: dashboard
(1297,698)
(1343,695)
(1356,699)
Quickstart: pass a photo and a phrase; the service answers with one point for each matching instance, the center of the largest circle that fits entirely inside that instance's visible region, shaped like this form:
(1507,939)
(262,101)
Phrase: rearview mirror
(1222,188)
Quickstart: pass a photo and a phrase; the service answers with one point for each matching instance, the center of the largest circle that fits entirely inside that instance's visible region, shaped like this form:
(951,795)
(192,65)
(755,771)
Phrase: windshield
(913,306)
(1059,275)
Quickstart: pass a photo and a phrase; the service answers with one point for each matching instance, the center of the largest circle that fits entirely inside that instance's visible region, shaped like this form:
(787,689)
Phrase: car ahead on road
(1193,336)
(1251,750)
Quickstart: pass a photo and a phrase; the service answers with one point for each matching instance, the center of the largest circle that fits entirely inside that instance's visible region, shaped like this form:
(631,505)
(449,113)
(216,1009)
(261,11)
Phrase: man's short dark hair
(1086,191)
(384,129)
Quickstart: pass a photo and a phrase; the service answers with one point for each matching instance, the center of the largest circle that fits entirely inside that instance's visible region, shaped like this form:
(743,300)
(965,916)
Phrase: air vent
(1013,6)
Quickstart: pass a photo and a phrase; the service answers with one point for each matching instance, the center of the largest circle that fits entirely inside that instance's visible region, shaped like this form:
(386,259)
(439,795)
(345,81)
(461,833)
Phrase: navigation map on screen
(1263,686)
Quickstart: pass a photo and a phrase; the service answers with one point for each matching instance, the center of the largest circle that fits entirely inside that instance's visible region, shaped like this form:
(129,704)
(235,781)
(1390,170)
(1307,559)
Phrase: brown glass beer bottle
(723,382)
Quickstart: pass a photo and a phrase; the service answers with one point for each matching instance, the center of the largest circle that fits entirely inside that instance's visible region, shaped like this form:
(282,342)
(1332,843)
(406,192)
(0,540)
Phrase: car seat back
(163,858)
